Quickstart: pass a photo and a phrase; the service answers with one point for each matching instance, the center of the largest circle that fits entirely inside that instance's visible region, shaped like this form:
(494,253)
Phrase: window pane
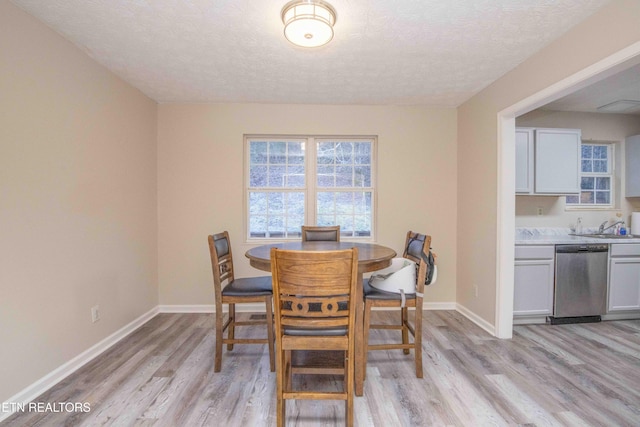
(587,182)
(587,151)
(258,226)
(257,203)
(275,226)
(326,176)
(587,166)
(295,153)
(362,203)
(572,199)
(344,203)
(344,153)
(277,152)
(362,225)
(344,176)
(603,197)
(295,176)
(258,152)
(603,183)
(295,204)
(276,203)
(325,153)
(586,197)
(294,224)
(346,225)
(600,152)
(258,176)
(362,155)
(276,176)
(600,166)
(362,176)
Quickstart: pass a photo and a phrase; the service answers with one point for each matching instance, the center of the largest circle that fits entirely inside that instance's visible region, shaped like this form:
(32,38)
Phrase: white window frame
(611,175)
(310,190)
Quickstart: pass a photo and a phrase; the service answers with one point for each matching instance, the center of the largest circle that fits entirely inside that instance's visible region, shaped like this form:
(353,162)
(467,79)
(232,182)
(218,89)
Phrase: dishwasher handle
(572,249)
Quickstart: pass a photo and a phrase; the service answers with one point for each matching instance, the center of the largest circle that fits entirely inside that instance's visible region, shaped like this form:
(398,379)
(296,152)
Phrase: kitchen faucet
(602,227)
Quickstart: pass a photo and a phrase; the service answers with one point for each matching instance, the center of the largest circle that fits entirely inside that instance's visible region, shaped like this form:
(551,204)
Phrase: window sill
(591,208)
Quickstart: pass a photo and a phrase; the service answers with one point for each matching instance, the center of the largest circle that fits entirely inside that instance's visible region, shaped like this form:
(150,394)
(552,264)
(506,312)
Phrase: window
(596,177)
(311,180)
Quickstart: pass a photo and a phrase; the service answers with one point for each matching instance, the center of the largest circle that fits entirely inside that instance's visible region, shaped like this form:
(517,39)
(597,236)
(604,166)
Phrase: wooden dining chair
(415,245)
(318,233)
(231,291)
(314,297)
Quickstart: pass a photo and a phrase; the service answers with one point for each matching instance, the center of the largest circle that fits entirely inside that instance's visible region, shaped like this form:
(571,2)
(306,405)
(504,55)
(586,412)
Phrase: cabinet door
(557,161)
(632,166)
(533,287)
(524,161)
(624,284)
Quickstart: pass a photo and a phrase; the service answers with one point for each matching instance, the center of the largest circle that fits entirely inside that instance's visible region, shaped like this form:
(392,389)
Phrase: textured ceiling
(429,52)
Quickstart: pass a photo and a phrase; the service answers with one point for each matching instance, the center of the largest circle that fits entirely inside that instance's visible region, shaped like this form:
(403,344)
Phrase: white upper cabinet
(632,166)
(548,161)
(524,168)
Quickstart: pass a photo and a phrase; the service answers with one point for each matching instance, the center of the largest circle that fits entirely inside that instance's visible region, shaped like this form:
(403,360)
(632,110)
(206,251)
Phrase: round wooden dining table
(371,257)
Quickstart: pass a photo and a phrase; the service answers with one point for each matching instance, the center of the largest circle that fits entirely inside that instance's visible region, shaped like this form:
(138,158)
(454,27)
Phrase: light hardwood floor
(162,375)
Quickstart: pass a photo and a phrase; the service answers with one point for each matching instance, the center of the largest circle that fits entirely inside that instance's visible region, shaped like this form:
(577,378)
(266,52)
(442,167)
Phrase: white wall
(200,181)
(77,201)
(594,127)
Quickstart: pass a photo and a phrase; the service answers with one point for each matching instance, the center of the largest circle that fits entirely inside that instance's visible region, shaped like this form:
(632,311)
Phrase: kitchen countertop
(561,236)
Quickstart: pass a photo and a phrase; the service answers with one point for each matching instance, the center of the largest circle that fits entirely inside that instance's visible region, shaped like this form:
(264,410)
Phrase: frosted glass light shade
(308,23)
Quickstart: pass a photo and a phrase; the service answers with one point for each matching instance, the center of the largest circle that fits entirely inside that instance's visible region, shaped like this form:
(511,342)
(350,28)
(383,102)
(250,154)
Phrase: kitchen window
(309,180)
(596,177)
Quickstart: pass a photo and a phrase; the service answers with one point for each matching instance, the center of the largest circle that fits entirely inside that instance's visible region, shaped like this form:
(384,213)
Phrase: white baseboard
(211,308)
(476,319)
(193,308)
(54,377)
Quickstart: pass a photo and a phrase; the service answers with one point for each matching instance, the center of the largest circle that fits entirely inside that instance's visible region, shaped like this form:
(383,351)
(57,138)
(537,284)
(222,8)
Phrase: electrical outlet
(95,313)
(540,210)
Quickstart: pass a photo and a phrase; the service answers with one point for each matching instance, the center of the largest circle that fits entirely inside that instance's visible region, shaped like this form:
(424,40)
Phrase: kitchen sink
(605,236)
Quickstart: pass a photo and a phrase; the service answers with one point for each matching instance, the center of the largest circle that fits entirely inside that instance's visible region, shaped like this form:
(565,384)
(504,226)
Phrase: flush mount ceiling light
(620,106)
(308,23)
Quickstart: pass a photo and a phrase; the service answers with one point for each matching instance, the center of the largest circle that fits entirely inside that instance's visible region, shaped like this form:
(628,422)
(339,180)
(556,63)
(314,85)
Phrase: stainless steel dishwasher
(581,283)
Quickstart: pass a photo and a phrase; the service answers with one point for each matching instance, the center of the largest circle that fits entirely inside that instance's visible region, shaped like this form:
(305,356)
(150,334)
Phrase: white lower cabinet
(624,277)
(533,280)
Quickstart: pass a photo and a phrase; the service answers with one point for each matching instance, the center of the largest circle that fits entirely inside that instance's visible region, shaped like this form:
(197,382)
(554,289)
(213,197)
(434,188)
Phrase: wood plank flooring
(563,375)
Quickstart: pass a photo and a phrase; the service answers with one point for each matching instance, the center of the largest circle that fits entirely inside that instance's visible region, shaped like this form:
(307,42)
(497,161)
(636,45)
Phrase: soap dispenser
(579,226)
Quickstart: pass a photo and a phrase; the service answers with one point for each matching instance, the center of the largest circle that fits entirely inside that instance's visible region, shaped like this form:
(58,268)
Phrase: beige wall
(200,179)
(77,201)
(594,127)
(611,29)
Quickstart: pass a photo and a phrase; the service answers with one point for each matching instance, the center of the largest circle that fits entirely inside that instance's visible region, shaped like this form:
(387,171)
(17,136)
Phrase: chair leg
(365,338)
(349,385)
(232,325)
(404,314)
(270,335)
(280,378)
(417,339)
(219,338)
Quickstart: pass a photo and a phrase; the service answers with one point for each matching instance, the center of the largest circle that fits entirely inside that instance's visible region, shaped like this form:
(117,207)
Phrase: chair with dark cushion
(415,246)
(232,291)
(321,234)
(314,297)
